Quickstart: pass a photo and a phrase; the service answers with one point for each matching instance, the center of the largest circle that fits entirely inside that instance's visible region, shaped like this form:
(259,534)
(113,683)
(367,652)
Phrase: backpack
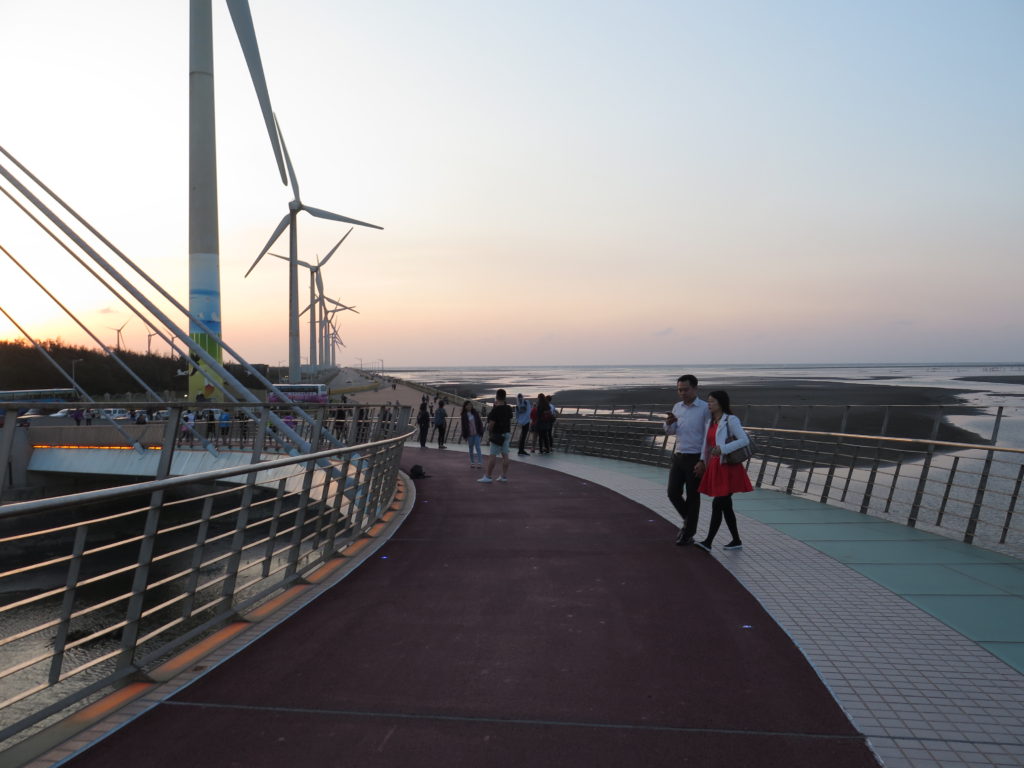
(417,473)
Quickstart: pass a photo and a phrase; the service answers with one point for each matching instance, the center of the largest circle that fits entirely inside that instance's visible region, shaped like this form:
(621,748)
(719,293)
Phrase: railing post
(6,447)
(835,457)
(331,546)
(133,612)
(949,487)
(1013,504)
(892,488)
(197,557)
(866,499)
(242,517)
(925,468)
(275,524)
(67,604)
(972,523)
(849,475)
(300,521)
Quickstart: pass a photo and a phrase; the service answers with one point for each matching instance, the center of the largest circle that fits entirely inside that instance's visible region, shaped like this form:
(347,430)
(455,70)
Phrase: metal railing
(99,586)
(959,490)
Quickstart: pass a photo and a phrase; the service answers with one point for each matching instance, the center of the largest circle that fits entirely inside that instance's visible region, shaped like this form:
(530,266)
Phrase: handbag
(738,456)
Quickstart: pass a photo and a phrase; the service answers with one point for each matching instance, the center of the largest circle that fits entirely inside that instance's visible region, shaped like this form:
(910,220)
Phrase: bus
(300,393)
(67,395)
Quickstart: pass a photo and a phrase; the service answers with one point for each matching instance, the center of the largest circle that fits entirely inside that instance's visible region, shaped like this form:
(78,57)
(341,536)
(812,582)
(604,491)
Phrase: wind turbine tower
(203,236)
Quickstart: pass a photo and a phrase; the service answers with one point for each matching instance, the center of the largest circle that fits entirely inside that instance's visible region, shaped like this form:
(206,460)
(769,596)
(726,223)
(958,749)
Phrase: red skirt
(722,479)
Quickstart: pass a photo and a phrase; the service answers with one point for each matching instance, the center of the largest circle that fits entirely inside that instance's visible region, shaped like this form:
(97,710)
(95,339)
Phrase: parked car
(116,413)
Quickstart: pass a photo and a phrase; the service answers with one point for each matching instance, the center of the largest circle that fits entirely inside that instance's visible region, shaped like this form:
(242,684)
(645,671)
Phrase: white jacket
(735,431)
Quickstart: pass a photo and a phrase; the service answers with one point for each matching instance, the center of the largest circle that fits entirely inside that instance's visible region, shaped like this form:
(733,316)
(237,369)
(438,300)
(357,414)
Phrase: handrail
(130,575)
(38,505)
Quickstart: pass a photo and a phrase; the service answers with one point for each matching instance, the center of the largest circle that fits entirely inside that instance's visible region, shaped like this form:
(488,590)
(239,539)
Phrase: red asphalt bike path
(543,621)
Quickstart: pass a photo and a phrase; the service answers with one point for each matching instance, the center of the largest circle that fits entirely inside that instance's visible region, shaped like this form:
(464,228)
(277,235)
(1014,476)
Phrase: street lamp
(73,364)
(360,362)
(381,366)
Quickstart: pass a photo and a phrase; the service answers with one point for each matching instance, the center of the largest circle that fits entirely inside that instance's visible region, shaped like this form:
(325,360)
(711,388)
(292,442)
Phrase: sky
(559,182)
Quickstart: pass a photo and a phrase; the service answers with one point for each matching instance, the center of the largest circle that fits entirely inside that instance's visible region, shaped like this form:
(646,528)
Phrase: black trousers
(424,428)
(524,432)
(440,434)
(721,506)
(682,490)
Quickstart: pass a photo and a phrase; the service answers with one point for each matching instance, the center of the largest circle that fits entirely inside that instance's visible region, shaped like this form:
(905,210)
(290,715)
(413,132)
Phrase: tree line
(23,367)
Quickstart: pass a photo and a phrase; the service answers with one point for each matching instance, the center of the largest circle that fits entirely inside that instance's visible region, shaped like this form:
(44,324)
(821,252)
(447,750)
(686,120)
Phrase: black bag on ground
(417,472)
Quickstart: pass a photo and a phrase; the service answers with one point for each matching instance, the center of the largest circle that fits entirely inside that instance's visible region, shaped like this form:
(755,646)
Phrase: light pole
(73,364)
(381,366)
(360,362)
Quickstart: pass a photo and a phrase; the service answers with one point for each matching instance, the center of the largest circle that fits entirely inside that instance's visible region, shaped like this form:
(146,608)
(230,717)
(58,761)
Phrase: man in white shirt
(688,421)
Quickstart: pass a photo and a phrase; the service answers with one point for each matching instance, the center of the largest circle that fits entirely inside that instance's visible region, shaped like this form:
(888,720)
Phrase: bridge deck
(549,620)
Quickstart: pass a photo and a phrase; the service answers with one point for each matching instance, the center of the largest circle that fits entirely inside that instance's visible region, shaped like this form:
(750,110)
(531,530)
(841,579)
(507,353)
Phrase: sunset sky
(558,182)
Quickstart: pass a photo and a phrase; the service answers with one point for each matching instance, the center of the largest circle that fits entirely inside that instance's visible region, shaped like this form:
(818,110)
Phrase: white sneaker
(484,479)
(502,479)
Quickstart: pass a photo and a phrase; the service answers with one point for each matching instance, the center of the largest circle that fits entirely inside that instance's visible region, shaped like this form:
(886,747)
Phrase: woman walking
(472,431)
(721,480)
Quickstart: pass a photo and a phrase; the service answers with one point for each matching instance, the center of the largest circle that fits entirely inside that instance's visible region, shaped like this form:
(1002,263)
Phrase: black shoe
(523,453)
(705,545)
(734,545)
(684,541)
(681,537)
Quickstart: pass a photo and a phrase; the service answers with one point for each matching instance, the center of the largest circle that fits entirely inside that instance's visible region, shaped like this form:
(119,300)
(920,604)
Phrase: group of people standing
(536,420)
(705,432)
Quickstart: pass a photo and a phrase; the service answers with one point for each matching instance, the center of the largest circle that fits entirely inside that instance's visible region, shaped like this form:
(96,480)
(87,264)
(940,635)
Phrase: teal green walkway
(977,592)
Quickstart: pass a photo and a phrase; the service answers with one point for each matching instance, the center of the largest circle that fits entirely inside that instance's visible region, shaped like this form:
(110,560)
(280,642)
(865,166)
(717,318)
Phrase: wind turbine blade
(342,307)
(322,214)
(277,233)
(320,264)
(288,162)
(305,310)
(242,19)
(319,283)
(305,264)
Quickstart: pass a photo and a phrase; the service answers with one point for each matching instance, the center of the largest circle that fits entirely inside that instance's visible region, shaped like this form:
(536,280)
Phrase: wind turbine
(290,221)
(335,342)
(327,324)
(203,236)
(316,282)
(120,338)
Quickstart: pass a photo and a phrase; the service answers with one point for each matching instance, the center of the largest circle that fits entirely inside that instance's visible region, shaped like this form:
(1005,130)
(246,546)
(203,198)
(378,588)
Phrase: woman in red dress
(721,480)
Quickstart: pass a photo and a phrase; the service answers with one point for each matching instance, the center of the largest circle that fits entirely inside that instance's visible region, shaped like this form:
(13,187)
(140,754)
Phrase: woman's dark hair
(465,403)
(723,399)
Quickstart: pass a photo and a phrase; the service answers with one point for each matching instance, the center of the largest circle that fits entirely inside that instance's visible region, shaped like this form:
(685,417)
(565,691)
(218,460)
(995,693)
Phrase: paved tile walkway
(923,691)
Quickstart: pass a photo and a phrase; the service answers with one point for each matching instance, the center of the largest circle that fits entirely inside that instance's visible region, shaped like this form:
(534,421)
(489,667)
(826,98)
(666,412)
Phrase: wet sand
(756,402)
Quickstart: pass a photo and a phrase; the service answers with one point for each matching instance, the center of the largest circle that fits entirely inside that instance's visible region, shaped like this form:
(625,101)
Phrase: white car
(116,413)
